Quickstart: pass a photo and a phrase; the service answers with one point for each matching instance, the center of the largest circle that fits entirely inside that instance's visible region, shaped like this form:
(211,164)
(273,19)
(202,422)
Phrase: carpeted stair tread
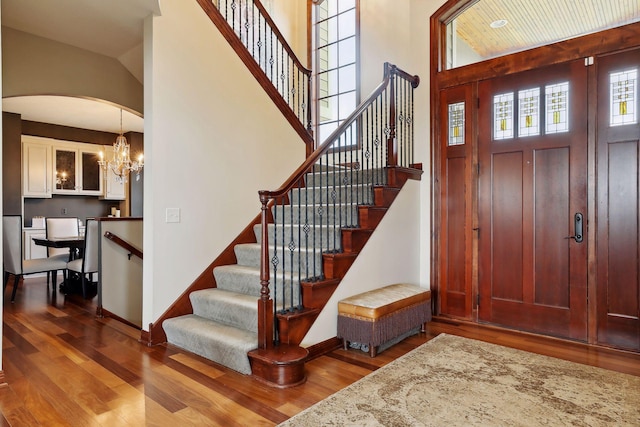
(320,236)
(248,254)
(363,194)
(246,280)
(314,213)
(230,308)
(344,176)
(215,341)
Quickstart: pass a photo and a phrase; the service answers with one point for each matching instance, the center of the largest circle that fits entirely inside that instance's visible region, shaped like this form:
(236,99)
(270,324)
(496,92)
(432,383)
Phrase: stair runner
(223,326)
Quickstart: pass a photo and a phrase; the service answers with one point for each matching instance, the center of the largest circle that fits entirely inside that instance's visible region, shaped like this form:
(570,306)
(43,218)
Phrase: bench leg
(345,343)
(373,351)
(423,327)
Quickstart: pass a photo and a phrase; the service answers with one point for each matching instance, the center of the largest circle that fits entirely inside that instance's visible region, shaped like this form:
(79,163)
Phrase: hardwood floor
(65,367)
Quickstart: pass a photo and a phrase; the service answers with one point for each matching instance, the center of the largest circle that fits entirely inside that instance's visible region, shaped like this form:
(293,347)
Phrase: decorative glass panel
(557,113)
(503,116)
(624,96)
(529,112)
(456,123)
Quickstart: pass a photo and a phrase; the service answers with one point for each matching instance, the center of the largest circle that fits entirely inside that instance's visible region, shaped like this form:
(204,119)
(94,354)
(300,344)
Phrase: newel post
(392,146)
(265,303)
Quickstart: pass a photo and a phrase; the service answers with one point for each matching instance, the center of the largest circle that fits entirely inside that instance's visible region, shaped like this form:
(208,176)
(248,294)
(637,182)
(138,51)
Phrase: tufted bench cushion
(380,315)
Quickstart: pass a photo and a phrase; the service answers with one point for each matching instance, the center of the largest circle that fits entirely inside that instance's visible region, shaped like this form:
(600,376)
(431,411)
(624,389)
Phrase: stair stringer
(390,256)
(316,295)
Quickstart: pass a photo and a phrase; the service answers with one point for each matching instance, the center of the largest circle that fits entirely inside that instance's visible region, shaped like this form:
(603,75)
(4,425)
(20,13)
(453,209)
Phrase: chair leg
(16,279)
(48,278)
(54,282)
(83,280)
(6,280)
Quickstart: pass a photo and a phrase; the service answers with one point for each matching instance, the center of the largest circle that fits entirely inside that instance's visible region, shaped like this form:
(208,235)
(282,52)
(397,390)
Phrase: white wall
(392,255)
(291,18)
(398,32)
(421,11)
(384,37)
(36,66)
(213,138)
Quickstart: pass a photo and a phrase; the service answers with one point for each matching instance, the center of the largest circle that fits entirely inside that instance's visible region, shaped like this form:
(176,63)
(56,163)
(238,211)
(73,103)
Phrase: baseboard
(107,313)
(323,347)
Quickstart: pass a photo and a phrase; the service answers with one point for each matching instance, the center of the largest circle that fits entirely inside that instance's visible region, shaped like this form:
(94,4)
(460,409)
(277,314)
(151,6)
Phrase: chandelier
(121,164)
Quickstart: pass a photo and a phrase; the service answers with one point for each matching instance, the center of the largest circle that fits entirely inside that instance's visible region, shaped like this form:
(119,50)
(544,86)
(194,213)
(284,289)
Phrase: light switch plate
(172,215)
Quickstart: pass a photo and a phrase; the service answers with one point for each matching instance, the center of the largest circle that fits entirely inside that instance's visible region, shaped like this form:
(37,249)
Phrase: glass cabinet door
(91,173)
(65,170)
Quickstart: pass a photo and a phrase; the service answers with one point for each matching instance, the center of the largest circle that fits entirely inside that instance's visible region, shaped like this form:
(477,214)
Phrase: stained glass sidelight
(624,97)
(529,112)
(456,124)
(503,116)
(557,108)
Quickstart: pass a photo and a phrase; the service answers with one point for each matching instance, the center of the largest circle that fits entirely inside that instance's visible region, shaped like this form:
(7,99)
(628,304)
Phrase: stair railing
(302,219)
(248,22)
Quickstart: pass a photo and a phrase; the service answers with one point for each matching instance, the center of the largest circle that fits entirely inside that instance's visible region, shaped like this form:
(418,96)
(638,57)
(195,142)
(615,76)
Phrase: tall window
(335,63)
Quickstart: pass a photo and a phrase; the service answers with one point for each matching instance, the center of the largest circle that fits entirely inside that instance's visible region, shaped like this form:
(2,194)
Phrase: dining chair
(61,227)
(88,264)
(14,264)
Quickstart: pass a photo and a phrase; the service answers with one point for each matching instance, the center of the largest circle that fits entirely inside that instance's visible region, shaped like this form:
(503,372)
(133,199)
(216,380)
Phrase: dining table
(75,244)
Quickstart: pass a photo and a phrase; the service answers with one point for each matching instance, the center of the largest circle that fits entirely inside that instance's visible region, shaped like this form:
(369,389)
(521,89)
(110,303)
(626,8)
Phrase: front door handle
(578,227)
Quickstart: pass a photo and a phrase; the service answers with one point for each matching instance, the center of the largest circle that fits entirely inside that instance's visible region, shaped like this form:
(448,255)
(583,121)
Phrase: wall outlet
(172,215)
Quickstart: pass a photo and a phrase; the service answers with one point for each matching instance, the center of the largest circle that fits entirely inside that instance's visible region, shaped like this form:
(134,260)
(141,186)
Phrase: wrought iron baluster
(313,219)
(292,247)
(306,226)
(274,262)
(321,207)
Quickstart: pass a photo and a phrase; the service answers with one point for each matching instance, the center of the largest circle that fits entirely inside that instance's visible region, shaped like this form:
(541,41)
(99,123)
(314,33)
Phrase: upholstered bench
(378,316)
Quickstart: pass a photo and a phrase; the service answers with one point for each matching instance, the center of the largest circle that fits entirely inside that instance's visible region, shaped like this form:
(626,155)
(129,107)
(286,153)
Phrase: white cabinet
(114,190)
(36,167)
(76,169)
(31,250)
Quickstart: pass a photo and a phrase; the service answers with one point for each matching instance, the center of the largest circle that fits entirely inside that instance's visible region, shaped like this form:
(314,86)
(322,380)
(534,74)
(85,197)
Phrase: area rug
(454,381)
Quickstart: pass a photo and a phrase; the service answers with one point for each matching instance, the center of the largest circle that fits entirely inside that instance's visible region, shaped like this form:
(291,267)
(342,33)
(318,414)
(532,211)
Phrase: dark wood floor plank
(56,396)
(224,385)
(18,340)
(113,366)
(36,405)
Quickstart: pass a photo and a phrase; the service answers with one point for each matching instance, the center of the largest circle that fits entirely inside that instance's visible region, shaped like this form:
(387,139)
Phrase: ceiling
(113,28)
(75,112)
(532,23)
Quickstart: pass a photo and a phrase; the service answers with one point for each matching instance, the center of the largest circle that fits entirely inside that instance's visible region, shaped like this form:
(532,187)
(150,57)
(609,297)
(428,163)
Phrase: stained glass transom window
(503,116)
(529,112)
(624,95)
(557,109)
(456,123)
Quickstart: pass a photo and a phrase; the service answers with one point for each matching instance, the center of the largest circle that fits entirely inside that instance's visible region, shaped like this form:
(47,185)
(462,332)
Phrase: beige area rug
(454,381)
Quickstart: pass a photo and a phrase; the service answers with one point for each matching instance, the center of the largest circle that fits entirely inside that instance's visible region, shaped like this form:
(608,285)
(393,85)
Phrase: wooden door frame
(593,45)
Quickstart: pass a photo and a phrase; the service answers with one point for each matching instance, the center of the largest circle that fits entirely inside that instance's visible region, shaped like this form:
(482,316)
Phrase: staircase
(224,324)
(251,308)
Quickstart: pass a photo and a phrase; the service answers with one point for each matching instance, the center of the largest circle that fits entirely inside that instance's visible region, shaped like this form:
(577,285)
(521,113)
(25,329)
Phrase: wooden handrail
(124,244)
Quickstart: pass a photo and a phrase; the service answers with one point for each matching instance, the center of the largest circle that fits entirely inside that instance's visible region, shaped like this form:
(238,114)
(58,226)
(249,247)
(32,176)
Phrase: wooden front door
(618,201)
(532,152)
